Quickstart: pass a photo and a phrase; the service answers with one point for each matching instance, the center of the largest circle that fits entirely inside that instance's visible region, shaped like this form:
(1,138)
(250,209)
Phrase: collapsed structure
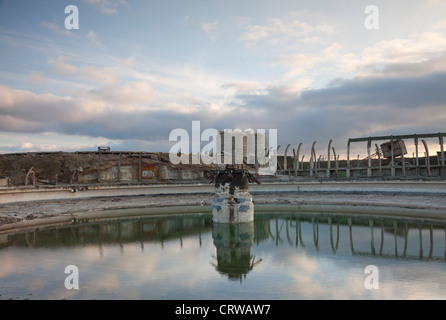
(232,202)
(390,159)
(94,167)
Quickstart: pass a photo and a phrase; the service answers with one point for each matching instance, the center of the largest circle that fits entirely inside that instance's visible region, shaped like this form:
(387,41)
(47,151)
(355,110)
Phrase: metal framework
(369,140)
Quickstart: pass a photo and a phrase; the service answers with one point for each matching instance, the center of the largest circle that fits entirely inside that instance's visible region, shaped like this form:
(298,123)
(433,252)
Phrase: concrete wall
(139,173)
(20,194)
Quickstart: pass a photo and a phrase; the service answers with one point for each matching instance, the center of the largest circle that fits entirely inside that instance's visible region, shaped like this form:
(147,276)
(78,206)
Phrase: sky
(133,71)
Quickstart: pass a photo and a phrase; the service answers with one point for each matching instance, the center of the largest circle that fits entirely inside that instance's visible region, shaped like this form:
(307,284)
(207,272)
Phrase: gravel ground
(15,212)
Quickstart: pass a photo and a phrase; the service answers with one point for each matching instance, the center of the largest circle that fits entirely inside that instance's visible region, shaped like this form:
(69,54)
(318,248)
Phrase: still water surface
(278,256)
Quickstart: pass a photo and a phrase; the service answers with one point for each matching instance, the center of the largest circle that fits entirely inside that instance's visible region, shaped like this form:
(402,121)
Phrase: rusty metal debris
(394,148)
(233,176)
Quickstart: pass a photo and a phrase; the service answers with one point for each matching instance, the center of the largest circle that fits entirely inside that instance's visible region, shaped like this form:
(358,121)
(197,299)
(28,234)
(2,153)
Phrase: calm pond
(187,256)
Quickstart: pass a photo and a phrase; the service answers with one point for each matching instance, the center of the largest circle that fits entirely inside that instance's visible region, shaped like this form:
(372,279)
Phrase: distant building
(243,145)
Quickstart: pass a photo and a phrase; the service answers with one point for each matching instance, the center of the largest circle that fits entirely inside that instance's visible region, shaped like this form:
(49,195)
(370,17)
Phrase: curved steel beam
(285,162)
(427,158)
(379,158)
(297,158)
(336,161)
(369,158)
(328,158)
(312,159)
(348,159)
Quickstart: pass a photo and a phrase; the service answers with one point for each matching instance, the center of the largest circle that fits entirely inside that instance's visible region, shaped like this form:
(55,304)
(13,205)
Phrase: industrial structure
(388,159)
(94,167)
(232,202)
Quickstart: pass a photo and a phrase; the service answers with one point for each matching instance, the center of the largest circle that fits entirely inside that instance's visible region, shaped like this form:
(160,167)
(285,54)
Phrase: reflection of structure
(384,237)
(121,231)
(232,202)
(398,231)
(233,243)
(360,235)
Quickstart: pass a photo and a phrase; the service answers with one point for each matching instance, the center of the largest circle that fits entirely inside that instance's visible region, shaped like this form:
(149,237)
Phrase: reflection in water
(183,255)
(397,229)
(233,244)
(145,230)
(233,241)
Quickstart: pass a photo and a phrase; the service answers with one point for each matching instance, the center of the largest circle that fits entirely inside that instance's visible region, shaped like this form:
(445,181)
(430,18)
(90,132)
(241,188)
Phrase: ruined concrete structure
(53,168)
(388,160)
(232,202)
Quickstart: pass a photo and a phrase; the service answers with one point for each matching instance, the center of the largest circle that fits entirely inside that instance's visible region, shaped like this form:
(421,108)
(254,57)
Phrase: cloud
(30,111)
(348,108)
(36,77)
(131,93)
(326,90)
(56,28)
(412,51)
(285,29)
(10,123)
(408,92)
(297,64)
(107,6)
(415,55)
(440,26)
(31,147)
(104,75)
(129,62)
(129,111)
(62,67)
(389,101)
(91,35)
(243,86)
(209,26)
(210,29)
(433,65)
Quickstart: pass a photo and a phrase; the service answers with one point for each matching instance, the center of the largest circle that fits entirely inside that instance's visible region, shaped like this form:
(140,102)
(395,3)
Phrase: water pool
(292,255)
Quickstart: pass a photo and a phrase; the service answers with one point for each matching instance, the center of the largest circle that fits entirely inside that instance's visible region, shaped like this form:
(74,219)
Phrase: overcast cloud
(136,70)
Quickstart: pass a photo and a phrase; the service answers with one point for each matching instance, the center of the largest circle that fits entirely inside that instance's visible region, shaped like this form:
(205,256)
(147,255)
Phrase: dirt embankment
(50,168)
